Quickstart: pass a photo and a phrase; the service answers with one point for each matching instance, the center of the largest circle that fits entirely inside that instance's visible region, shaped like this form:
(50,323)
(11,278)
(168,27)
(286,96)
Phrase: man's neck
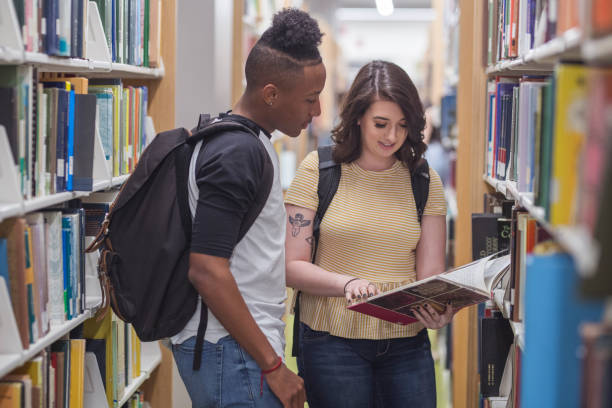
(251,110)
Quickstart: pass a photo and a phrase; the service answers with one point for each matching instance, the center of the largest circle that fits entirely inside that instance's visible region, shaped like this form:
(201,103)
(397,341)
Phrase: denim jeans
(228,376)
(357,373)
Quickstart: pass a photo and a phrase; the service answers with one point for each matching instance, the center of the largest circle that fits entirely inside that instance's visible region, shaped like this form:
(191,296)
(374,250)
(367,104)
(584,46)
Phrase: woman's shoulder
(311,161)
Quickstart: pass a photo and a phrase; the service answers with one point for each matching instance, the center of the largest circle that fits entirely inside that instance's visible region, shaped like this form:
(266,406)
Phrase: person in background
(436,154)
(243,281)
(370,241)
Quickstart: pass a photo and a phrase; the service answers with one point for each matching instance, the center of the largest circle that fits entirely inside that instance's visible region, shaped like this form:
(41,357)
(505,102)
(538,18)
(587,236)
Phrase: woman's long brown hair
(380,80)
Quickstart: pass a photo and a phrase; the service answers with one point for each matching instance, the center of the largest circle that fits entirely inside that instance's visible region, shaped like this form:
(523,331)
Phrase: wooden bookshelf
(574,45)
(470,161)
(156,364)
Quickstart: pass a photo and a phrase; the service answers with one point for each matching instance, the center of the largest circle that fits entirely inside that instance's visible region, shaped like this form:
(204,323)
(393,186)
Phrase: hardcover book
(463,286)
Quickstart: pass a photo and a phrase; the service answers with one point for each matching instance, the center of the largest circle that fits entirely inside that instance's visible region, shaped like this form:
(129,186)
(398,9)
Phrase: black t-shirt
(229,174)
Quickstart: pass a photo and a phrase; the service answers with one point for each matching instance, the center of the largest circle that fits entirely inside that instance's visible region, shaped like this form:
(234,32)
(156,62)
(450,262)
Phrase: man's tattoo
(298,222)
(310,240)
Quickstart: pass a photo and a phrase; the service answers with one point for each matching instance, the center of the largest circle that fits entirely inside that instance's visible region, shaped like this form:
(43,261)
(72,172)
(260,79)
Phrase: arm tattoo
(297,223)
(310,240)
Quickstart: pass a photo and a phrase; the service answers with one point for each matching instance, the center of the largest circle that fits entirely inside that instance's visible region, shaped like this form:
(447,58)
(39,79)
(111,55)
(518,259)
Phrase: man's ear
(270,94)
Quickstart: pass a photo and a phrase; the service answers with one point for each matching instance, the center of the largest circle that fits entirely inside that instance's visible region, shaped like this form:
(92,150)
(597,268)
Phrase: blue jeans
(228,376)
(357,373)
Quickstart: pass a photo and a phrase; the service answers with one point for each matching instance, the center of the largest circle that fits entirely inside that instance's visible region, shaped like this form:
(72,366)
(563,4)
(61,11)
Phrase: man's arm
(212,278)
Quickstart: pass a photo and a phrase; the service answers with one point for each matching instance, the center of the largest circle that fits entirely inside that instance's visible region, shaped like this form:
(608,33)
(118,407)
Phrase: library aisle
(517,97)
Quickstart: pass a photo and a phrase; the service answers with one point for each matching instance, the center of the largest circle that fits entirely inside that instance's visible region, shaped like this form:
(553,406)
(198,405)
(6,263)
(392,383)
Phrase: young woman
(370,241)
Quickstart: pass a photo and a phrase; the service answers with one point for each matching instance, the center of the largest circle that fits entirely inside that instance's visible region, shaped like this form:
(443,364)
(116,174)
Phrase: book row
(53,124)
(513,27)
(549,135)
(60,27)
(105,354)
(529,334)
(43,262)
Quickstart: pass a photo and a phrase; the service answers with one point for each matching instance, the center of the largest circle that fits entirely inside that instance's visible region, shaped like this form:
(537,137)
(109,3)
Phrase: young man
(242,281)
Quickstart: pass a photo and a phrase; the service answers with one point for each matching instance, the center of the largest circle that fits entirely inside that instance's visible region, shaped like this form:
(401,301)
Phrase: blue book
(70,144)
(143,116)
(52,40)
(67,247)
(503,118)
(4,264)
(551,366)
(113,30)
(63,101)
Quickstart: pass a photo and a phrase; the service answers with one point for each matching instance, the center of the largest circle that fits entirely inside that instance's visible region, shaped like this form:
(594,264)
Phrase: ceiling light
(384,7)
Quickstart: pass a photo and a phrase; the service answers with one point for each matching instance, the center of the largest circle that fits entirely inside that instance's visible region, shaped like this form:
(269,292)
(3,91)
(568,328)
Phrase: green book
(546,148)
(145,45)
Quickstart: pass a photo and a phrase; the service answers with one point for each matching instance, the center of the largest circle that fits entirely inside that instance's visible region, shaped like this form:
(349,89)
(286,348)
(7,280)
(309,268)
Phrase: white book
(39,258)
(55,267)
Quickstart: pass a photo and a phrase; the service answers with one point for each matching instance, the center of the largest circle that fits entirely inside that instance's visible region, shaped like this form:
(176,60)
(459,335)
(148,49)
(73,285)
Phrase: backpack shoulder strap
(329,179)
(420,186)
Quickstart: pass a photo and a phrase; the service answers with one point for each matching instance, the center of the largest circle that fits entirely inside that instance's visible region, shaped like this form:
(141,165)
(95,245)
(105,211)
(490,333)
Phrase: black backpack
(145,239)
(329,179)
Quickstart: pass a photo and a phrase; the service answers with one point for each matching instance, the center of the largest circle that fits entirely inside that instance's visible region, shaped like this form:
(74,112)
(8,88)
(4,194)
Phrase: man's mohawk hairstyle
(294,33)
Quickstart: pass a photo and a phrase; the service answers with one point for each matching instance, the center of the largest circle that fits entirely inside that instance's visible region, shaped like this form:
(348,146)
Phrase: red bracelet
(264,372)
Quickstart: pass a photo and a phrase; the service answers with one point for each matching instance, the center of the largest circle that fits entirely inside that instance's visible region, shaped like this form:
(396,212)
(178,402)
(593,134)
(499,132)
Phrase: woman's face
(383,131)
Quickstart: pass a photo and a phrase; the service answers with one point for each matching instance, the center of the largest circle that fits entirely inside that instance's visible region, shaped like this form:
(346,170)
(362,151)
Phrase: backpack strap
(420,186)
(329,179)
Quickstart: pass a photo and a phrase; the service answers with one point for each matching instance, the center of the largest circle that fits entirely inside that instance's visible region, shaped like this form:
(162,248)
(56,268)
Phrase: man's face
(299,102)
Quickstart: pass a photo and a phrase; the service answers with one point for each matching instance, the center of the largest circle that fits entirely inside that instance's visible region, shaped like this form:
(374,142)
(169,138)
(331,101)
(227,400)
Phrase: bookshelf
(574,239)
(151,359)
(574,43)
(156,363)
(9,362)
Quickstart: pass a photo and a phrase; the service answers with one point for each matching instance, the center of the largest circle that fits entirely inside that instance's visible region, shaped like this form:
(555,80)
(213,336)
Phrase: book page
(469,275)
(495,269)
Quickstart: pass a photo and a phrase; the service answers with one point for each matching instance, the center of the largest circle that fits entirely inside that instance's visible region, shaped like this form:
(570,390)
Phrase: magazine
(466,285)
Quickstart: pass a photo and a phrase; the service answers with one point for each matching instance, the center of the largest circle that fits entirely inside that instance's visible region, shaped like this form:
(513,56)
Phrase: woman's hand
(431,318)
(356,289)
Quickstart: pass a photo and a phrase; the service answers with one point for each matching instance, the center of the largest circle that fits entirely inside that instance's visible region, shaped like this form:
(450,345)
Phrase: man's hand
(287,386)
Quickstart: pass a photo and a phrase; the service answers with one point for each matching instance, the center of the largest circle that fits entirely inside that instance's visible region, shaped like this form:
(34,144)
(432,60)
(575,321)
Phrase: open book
(463,286)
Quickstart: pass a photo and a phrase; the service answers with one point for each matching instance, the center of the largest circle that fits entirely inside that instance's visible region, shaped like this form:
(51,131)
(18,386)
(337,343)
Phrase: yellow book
(25,387)
(79,84)
(77,372)
(102,329)
(569,135)
(135,354)
(34,370)
(10,394)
